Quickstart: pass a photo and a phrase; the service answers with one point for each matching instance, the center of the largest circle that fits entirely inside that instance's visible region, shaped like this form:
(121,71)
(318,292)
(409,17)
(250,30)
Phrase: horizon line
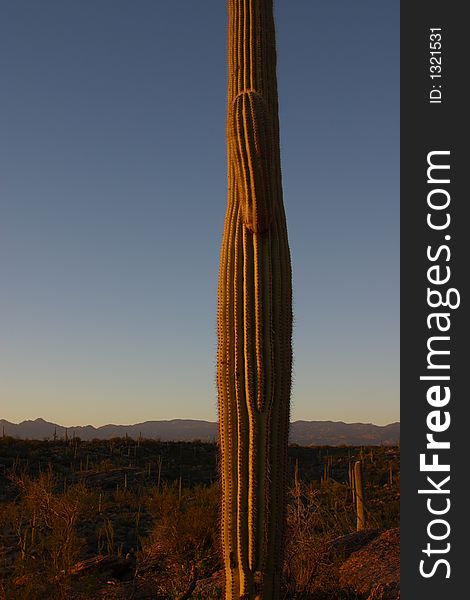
(187,419)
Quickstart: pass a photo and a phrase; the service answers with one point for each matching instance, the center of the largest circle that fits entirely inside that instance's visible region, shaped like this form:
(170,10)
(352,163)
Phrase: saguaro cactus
(359,491)
(254,315)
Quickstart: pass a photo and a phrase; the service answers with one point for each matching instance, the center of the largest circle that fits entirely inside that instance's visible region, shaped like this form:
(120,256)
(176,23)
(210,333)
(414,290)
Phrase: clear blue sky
(112,200)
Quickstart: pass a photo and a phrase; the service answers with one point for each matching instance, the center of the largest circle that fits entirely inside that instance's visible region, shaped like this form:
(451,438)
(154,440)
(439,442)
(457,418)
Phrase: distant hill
(337,433)
(303,433)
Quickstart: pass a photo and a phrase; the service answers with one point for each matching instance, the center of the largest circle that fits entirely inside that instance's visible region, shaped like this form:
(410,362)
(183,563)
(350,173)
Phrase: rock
(374,570)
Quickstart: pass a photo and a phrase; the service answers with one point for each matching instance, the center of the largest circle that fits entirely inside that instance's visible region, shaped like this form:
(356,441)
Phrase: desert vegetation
(128,518)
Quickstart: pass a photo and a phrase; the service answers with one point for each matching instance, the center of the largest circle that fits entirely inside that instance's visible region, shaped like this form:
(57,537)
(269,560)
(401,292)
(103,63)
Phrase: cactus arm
(251,141)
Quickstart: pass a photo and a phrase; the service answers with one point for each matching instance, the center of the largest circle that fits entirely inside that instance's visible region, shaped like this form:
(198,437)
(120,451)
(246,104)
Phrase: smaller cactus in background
(359,493)
(325,473)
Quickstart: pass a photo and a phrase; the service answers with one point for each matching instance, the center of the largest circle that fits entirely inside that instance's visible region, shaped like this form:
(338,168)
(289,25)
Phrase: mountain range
(302,433)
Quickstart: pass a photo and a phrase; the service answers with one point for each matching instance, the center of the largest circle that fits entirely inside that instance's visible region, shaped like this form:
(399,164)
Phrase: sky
(113,194)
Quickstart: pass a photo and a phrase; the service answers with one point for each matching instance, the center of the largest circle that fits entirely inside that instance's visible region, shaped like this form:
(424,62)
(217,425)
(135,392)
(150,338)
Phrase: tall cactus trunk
(254,315)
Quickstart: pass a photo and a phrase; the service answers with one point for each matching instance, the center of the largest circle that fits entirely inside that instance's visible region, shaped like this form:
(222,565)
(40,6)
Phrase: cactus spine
(254,315)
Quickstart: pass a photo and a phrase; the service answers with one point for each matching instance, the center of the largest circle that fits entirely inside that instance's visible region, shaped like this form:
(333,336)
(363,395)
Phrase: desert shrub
(43,524)
(316,515)
(185,535)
